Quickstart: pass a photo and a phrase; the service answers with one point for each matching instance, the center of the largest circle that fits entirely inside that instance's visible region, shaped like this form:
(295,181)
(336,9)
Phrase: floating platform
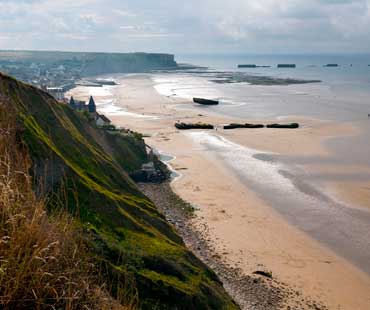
(286,66)
(247,66)
(252,66)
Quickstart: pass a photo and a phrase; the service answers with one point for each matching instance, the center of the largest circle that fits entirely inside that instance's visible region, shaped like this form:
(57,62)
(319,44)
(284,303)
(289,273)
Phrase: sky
(190,26)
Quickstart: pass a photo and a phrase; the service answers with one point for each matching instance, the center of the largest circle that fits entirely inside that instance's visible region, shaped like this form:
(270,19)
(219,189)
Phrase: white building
(56,92)
(102,120)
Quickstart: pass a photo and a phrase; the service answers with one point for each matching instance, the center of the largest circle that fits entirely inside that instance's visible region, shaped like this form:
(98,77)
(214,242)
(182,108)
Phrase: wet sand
(245,225)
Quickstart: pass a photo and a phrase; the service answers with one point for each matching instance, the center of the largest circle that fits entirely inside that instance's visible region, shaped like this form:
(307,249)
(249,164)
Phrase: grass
(45,263)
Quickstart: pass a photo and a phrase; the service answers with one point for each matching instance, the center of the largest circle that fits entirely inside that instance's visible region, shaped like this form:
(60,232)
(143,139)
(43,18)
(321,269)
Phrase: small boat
(205,101)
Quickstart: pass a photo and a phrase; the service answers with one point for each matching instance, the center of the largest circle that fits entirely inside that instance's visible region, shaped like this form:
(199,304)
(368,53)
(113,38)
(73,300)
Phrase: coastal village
(57,78)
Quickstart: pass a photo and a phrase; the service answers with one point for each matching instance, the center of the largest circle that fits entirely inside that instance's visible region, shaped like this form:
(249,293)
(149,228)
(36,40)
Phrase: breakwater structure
(247,66)
(252,66)
(286,66)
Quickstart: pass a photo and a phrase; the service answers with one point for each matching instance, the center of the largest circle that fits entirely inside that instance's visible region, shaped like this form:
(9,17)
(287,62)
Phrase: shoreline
(257,291)
(294,257)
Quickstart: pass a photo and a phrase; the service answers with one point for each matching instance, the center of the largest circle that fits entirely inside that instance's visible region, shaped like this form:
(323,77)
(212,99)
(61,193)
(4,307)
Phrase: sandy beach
(236,214)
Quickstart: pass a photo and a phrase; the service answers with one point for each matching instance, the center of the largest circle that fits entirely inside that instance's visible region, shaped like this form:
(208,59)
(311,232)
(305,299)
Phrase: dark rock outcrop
(291,125)
(235,126)
(205,101)
(184,126)
(267,274)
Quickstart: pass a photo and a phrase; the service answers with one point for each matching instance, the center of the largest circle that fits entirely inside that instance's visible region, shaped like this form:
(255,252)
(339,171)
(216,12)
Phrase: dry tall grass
(44,262)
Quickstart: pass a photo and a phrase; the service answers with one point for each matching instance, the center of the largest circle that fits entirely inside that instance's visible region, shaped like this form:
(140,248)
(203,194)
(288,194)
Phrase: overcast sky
(190,26)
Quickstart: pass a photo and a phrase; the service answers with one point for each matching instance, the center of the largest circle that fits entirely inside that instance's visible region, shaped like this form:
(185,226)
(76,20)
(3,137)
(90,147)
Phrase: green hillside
(87,168)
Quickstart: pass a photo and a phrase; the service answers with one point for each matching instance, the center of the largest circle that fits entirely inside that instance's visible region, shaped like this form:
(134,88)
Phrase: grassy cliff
(87,169)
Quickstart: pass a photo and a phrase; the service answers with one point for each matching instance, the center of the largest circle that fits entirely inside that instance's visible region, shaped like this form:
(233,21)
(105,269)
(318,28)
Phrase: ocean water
(343,94)
(353,70)
(289,190)
(285,182)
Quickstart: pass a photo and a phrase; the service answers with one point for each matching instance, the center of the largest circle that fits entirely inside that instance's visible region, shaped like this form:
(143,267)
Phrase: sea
(343,94)
(285,182)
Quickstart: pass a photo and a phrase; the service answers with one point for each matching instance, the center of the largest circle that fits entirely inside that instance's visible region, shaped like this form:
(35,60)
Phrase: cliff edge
(87,168)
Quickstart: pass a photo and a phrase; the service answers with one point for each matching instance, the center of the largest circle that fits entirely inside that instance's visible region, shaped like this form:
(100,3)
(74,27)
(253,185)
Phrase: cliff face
(78,164)
(91,63)
(120,63)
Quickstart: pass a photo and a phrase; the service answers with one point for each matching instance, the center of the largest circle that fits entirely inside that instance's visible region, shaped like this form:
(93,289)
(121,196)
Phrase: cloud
(190,26)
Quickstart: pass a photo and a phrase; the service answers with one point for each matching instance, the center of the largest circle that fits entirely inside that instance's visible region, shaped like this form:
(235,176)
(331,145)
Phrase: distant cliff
(95,64)
(42,68)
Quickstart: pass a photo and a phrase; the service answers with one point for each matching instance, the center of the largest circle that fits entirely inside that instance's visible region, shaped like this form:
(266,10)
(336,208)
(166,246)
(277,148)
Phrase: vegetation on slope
(44,262)
(80,165)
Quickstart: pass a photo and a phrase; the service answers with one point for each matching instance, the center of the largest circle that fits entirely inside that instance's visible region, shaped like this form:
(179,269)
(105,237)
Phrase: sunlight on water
(110,108)
(343,94)
(186,86)
(241,159)
(100,91)
(302,204)
(107,103)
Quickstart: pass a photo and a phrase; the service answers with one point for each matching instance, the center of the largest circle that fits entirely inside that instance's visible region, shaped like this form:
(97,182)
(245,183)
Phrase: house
(91,105)
(56,92)
(72,103)
(149,169)
(102,120)
(78,105)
